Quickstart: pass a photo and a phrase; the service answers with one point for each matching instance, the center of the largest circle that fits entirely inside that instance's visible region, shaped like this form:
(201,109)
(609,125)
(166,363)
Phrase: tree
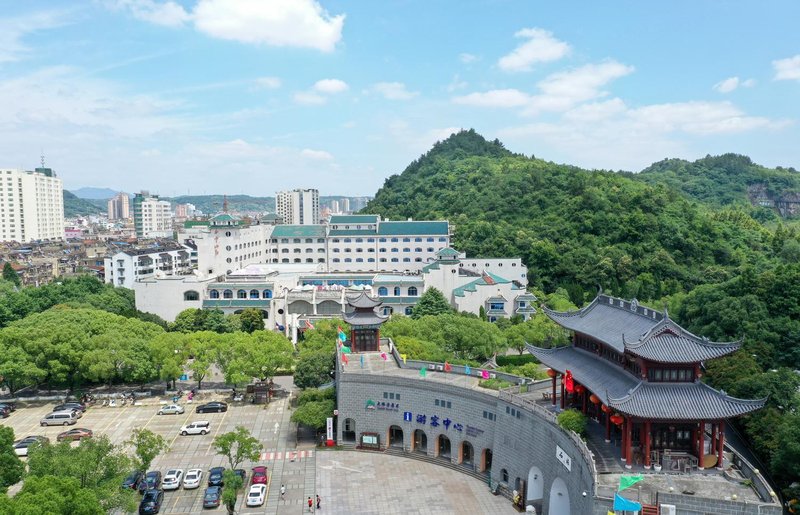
(432,302)
(572,420)
(146,446)
(96,465)
(313,414)
(233,483)
(314,369)
(263,355)
(251,320)
(10,275)
(11,468)
(238,445)
(17,369)
(55,495)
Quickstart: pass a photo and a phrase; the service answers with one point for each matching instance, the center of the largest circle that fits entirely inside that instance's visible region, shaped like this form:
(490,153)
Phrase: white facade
(298,207)
(31,205)
(156,218)
(167,297)
(123,269)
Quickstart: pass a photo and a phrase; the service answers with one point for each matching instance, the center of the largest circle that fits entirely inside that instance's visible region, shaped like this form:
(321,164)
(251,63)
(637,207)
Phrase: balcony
(236,303)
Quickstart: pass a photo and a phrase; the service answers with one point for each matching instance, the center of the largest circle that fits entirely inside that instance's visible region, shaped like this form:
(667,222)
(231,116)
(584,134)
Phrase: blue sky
(254,96)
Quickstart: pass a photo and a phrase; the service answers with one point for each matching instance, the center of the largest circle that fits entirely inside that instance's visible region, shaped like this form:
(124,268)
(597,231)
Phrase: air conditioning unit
(668,509)
(493,376)
(439,367)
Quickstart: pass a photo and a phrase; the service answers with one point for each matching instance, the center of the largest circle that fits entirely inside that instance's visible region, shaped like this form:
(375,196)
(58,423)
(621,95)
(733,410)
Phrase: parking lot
(287,464)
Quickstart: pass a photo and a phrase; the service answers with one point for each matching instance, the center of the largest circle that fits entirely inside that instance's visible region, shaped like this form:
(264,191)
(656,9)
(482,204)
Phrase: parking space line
(219,427)
(119,413)
(185,421)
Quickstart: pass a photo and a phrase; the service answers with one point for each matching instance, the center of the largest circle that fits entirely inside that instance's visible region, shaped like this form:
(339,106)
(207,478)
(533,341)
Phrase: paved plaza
(377,484)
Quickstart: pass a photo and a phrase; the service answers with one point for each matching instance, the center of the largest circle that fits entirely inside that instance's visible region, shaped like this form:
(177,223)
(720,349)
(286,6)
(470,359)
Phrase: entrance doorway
(349,431)
(467,453)
(444,447)
(396,437)
(420,441)
(486,460)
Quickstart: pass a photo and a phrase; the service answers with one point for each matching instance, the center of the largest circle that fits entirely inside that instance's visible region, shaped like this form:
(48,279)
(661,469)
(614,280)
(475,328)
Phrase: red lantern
(551,372)
(595,399)
(617,419)
(606,409)
(580,389)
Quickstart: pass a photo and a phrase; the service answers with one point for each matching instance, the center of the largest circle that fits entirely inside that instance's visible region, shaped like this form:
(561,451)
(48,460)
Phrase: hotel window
(406,249)
(406,260)
(395,240)
(359,240)
(359,260)
(348,260)
(347,240)
(417,249)
(241,294)
(396,291)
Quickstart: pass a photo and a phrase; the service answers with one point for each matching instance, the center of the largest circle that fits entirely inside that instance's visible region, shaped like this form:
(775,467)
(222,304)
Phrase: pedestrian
(310,504)
(283,491)
(318,501)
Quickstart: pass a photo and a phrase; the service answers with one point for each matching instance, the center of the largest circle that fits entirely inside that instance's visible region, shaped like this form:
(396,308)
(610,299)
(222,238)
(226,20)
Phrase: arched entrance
(559,498)
(535,485)
(443,447)
(396,436)
(420,441)
(486,460)
(349,430)
(467,453)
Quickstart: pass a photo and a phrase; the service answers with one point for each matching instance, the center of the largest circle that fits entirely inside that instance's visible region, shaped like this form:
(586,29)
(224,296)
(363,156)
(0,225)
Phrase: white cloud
(699,118)
(456,84)
(467,58)
(787,69)
(495,98)
(540,47)
(394,91)
(732,83)
(309,98)
(294,23)
(14,30)
(168,14)
(557,92)
(268,82)
(319,155)
(330,86)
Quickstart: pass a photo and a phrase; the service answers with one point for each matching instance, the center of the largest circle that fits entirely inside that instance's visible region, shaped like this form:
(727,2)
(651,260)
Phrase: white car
(200,427)
(171,409)
(193,478)
(255,497)
(172,479)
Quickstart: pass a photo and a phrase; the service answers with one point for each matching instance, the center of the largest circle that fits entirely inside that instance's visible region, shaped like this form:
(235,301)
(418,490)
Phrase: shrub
(494,384)
(572,420)
(515,360)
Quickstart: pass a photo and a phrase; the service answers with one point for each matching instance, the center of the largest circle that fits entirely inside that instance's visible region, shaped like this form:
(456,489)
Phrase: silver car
(171,409)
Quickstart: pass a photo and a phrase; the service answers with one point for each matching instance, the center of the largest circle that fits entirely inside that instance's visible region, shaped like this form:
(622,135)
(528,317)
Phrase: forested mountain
(74,206)
(730,179)
(680,235)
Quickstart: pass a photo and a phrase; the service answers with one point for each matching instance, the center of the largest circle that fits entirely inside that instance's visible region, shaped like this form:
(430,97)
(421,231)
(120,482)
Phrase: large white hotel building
(31,205)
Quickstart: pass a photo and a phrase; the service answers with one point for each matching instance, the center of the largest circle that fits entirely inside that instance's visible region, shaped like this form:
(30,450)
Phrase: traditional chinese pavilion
(633,367)
(365,322)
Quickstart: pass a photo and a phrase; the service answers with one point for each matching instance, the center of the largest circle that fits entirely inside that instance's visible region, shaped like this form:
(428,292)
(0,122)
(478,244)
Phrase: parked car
(5,411)
(11,405)
(134,480)
(260,475)
(172,479)
(212,407)
(212,497)
(71,405)
(151,501)
(171,409)
(242,473)
(192,479)
(255,497)
(215,476)
(60,418)
(21,447)
(79,433)
(152,481)
(196,428)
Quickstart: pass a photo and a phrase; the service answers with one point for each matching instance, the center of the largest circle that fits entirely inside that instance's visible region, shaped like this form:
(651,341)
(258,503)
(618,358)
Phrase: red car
(260,476)
(75,434)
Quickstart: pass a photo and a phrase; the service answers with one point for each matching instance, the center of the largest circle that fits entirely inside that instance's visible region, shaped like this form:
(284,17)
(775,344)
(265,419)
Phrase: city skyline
(245,97)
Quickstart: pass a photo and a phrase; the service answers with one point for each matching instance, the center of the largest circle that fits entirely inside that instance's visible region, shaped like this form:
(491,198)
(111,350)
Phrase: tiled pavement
(376,484)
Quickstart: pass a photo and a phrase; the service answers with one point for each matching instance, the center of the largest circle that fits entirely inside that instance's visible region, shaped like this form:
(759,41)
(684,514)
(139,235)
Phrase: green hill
(574,228)
(74,206)
(731,179)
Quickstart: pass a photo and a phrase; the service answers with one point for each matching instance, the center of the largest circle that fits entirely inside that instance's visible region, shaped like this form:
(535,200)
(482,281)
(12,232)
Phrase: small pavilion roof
(364,318)
(621,390)
(667,342)
(362,300)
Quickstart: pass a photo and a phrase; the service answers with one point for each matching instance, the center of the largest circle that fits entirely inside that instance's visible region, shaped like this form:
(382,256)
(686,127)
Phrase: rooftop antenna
(42,158)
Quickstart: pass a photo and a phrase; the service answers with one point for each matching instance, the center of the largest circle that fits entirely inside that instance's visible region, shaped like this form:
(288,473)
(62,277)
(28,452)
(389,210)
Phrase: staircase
(468,470)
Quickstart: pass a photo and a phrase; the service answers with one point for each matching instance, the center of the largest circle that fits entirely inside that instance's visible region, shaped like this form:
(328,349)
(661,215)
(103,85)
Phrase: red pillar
(647,444)
(624,432)
(554,388)
(701,440)
(720,443)
(563,400)
(629,443)
(608,426)
(714,437)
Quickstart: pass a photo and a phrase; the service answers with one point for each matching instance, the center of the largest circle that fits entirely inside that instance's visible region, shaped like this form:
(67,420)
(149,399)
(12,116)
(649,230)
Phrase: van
(196,428)
(59,418)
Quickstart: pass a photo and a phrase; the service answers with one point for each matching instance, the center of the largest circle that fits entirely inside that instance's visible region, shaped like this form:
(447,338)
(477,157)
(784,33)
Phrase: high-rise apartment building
(152,217)
(119,207)
(31,205)
(298,207)
(335,208)
(346,205)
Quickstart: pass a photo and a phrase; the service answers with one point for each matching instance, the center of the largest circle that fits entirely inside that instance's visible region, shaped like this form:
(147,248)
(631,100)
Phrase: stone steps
(438,461)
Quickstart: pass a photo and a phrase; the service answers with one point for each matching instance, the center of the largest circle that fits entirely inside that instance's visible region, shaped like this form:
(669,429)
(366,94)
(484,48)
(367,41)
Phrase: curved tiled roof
(364,318)
(667,342)
(630,395)
(682,401)
(362,300)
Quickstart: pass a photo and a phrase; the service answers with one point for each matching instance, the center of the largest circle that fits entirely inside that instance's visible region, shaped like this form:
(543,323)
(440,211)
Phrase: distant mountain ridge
(90,193)
(74,206)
